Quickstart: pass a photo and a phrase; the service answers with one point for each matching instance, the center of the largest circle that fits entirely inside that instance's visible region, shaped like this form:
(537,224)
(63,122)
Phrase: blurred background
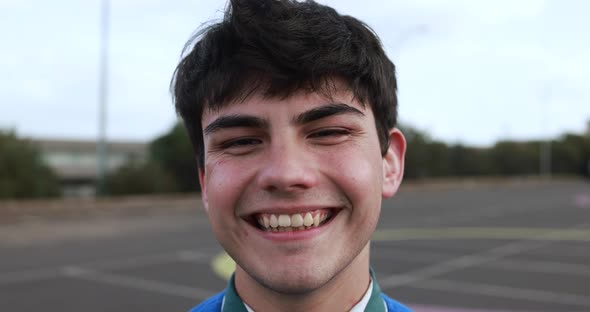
(493,95)
(486,88)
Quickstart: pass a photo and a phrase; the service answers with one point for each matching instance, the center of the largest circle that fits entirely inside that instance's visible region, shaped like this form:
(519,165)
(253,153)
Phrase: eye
(241,143)
(329,136)
(329,133)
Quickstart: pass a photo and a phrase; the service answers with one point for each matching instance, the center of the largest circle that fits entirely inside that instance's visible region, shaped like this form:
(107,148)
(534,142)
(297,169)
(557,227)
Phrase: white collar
(359,307)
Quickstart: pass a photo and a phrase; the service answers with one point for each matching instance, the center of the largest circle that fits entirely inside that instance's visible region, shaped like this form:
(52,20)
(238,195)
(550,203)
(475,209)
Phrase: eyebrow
(326,111)
(235,121)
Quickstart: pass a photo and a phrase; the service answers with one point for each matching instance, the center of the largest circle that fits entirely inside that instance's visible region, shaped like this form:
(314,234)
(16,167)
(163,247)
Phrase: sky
(470,72)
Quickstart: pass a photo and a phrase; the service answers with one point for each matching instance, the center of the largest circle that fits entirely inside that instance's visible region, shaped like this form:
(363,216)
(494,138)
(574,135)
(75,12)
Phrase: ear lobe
(203,189)
(393,163)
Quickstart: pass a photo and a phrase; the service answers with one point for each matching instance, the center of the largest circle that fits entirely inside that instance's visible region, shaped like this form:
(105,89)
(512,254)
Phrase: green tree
(570,154)
(174,153)
(425,157)
(140,178)
(23,174)
(437,159)
(515,158)
(469,161)
(417,158)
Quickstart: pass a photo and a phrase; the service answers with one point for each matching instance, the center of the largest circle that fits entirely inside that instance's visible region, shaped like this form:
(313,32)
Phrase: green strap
(376,303)
(233,303)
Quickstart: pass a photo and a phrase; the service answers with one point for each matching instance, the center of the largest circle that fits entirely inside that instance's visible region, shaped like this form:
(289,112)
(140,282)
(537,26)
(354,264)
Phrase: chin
(290,278)
(294,284)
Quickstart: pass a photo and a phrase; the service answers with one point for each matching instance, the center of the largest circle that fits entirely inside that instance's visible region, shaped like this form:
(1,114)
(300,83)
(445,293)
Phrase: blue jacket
(231,302)
(213,304)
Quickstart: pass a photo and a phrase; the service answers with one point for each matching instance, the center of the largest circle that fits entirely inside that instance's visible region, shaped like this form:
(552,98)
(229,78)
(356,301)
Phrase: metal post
(101,149)
(545,163)
(545,146)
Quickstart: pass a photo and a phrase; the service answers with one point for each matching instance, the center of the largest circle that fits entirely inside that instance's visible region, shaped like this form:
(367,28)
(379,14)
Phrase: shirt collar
(231,300)
(361,305)
(371,301)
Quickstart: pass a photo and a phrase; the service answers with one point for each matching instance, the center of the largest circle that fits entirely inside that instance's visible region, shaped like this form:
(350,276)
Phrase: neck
(340,293)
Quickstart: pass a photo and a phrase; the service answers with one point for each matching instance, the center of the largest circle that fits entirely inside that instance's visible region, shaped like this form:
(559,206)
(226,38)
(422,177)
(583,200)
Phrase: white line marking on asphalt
(467,261)
(43,232)
(490,211)
(137,283)
(404,234)
(194,256)
(541,267)
(147,260)
(117,264)
(534,266)
(504,292)
(28,276)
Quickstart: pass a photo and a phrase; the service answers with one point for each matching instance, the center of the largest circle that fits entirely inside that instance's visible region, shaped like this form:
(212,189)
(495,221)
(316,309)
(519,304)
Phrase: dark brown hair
(276,47)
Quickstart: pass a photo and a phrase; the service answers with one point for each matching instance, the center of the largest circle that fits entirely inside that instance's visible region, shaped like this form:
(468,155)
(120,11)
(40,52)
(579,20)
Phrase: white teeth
(296,220)
(265,222)
(284,220)
(308,220)
(274,222)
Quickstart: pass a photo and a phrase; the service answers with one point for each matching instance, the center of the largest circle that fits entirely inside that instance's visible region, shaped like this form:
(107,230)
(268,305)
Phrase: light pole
(545,163)
(101,148)
(545,145)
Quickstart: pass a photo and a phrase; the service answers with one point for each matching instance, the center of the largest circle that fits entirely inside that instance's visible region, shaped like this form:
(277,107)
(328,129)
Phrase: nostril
(286,174)
(271,188)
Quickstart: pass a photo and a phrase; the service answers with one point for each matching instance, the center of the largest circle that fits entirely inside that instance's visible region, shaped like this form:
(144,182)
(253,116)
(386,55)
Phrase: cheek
(224,181)
(357,172)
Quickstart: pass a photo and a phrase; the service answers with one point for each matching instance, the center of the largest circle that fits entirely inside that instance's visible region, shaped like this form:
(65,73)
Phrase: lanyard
(233,303)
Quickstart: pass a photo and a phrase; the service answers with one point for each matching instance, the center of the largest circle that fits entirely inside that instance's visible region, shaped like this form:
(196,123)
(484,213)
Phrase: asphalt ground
(496,248)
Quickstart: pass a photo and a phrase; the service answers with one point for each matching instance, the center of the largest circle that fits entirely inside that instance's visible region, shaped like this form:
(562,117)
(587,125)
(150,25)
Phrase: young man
(291,109)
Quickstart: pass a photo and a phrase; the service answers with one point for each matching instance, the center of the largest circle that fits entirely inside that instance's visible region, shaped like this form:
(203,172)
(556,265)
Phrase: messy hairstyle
(275,48)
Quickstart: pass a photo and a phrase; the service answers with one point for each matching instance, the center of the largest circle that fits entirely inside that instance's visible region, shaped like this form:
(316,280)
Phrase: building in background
(75,162)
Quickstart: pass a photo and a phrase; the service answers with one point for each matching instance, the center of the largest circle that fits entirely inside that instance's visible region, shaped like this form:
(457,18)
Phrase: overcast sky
(469,71)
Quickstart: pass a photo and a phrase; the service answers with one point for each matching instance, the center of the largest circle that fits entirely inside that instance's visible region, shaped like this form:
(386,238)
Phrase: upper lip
(289,210)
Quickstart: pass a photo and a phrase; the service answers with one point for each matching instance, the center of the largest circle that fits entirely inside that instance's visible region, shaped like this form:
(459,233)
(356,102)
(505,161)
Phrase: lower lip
(296,235)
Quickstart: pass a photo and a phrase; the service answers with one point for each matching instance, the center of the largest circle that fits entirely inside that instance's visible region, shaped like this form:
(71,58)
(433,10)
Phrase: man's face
(293,187)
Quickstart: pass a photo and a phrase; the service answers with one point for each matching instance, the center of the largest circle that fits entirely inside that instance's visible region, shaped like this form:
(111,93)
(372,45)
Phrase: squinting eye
(242,142)
(329,133)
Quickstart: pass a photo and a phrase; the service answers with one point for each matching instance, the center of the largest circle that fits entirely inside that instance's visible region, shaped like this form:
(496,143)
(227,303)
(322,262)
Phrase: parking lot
(499,247)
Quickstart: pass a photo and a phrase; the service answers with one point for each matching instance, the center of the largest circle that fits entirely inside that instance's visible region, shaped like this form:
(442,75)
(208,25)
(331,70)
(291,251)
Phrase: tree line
(171,165)
(426,157)
(23,174)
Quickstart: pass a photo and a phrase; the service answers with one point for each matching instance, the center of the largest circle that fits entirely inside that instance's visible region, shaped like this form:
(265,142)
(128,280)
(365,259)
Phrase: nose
(287,168)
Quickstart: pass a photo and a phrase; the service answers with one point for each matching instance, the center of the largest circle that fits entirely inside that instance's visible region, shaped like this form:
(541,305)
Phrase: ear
(203,189)
(393,163)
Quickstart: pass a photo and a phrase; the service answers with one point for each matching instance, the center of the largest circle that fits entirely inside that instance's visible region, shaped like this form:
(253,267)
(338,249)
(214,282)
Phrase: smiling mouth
(269,222)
